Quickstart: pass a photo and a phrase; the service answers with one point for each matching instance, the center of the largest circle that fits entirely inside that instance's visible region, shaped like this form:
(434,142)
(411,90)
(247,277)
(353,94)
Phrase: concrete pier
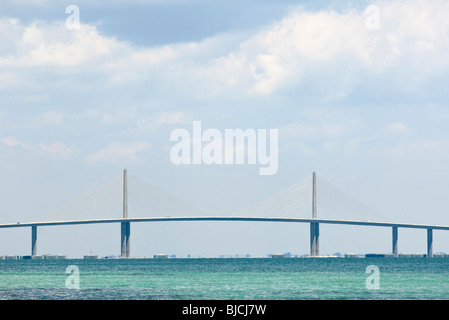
(429,243)
(33,240)
(125,231)
(395,241)
(314,239)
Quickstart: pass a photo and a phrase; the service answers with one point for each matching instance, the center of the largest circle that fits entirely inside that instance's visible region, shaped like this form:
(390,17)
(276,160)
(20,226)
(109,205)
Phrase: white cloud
(421,148)
(121,115)
(86,2)
(396,128)
(334,51)
(11,141)
(329,51)
(87,114)
(327,130)
(43,44)
(58,150)
(52,118)
(118,152)
(164,118)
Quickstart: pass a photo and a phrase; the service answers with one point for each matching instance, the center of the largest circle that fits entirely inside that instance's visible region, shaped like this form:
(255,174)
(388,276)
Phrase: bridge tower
(314,226)
(125,225)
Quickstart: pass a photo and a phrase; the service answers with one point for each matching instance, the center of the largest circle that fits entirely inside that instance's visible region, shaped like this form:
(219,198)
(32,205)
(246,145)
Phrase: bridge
(274,203)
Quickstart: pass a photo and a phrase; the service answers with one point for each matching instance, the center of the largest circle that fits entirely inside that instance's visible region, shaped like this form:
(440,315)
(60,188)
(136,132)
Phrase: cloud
(323,138)
(42,44)
(164,118)
(333,52)
(118,152)
(324,55)
(56,150)
(421,149)
(10,141)
(86,2)
(47,118)
(326,130)
(396,128)
(121,115)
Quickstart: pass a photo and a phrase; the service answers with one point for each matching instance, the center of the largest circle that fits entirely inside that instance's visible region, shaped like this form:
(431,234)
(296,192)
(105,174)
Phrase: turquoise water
(272,279)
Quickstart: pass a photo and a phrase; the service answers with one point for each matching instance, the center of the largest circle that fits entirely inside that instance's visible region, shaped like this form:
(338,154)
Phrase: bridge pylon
(125,225)
(314,226)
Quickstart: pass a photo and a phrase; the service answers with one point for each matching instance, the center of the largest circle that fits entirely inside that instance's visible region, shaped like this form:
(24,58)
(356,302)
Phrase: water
(183,279)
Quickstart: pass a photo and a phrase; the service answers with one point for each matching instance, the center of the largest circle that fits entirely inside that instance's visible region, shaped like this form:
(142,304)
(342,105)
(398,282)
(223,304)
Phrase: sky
(358,92)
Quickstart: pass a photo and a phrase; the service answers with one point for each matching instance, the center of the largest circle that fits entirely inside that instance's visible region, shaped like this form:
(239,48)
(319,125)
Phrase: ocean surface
(225,278)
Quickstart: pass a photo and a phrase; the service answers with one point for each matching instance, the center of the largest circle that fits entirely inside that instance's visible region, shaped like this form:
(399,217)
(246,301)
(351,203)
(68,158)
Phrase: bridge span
(314,222)
(227,218)
(128,221)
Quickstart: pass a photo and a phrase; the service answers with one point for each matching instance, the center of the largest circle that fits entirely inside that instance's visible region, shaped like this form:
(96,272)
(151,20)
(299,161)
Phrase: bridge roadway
(314,228)
(226,218)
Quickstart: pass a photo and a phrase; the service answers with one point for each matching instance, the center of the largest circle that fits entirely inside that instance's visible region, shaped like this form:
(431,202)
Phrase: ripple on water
(226,279)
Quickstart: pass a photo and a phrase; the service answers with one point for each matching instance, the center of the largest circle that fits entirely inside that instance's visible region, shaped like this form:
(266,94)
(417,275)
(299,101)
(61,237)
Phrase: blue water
(295,278)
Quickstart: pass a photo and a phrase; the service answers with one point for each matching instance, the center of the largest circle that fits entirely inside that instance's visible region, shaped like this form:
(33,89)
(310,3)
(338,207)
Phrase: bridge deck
(229,218)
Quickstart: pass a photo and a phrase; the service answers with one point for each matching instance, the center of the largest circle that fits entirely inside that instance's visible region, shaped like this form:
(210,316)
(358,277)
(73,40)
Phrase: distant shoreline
(166,257)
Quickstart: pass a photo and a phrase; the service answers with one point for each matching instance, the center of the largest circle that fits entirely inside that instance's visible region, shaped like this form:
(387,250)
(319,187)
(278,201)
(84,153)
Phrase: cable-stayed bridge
(128,199)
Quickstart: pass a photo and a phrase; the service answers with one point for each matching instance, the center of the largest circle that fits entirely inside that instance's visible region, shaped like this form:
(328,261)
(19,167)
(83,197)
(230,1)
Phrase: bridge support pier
(314,239)
(429,243)
(395,241)
(33,240)
(126,232)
